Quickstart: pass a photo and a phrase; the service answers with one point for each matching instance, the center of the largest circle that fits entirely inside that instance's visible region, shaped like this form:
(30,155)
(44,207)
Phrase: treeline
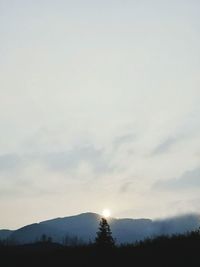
(67,240)
(177,250)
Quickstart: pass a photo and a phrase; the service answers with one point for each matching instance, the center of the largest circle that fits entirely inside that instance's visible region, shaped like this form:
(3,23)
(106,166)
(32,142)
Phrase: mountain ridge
(85,225)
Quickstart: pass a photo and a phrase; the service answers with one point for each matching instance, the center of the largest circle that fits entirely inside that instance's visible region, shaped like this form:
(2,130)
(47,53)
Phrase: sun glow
(106,213)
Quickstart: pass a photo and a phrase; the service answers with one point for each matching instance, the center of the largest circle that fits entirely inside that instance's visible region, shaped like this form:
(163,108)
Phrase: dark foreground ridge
(179,250)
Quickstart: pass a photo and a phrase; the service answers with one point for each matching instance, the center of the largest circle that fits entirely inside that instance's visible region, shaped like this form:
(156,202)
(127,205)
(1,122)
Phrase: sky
(99,108)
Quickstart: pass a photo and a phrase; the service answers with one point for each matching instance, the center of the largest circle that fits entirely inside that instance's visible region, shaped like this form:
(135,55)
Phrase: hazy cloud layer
(98,101)
(9,162)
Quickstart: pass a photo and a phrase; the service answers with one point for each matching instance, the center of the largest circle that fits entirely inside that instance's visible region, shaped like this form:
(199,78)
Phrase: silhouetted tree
(104,235)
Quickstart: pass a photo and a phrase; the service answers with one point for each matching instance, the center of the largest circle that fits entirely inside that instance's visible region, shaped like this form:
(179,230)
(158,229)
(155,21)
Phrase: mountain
(4,234)
(84,226)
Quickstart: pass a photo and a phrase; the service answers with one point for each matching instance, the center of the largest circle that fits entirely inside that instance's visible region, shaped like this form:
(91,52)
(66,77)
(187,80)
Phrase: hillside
(85,225)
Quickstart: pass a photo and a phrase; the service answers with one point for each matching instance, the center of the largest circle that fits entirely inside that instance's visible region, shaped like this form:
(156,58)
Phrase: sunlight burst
(106,213)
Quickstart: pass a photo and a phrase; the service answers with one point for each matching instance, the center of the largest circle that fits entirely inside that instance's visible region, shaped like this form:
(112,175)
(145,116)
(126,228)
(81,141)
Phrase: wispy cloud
(68,160)
(165,146)
(59,161)
(188,180)
(124,139)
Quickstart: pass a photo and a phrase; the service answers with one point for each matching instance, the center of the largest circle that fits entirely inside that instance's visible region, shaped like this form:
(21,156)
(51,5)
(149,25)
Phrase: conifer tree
(104,235)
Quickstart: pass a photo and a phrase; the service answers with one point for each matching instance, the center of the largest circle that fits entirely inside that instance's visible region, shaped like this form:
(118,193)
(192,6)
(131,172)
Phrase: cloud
(188,180)
(125,187)
(60,161)
(69,160)
(124,139)
(165,146)
(68,119)
(9,162)
(20,174)
(179,224)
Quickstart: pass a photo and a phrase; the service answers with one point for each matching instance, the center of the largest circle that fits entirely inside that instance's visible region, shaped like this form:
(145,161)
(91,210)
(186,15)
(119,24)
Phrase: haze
(99,107)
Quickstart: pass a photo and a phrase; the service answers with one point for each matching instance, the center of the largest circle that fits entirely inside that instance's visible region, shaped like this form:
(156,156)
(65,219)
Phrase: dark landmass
(84,226)
(179,250)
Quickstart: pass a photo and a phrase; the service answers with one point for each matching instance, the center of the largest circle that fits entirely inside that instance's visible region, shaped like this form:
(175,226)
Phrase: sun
(106,213)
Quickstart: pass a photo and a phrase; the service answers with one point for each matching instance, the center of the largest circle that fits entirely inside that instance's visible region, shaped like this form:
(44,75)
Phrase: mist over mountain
(84,226)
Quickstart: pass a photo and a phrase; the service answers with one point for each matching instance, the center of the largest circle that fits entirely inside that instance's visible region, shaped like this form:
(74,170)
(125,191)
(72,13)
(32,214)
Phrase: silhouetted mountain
(84,226)
(4,234)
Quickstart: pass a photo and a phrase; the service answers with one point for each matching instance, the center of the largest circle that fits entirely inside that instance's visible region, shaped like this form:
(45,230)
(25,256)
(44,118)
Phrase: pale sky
(99,108)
